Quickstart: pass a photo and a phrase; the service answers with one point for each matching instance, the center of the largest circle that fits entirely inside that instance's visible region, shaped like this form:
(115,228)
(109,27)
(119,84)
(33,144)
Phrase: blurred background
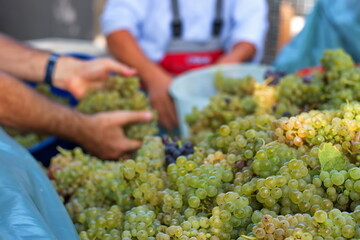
(73,25)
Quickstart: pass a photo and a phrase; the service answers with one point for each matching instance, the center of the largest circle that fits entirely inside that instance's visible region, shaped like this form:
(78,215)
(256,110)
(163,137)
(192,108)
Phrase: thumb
(126,117)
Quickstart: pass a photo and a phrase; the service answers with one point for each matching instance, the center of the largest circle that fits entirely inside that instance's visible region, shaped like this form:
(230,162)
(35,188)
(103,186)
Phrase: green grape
(355,173)
(320,216)
(337,179)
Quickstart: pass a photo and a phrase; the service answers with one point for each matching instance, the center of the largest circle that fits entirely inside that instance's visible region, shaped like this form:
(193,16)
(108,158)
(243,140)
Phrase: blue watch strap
(50,67)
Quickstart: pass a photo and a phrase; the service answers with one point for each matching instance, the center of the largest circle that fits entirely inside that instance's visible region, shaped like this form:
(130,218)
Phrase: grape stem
(247,237)
(263,128)
(269,80)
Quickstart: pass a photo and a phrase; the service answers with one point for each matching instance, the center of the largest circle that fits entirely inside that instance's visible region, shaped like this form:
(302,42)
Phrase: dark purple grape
(187,144)
(174,148)
(240,165)
(286,114)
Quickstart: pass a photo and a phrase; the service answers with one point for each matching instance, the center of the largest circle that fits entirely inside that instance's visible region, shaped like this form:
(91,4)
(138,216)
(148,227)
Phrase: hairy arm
(72,74)
(101,134)
(125,48)
(22,61)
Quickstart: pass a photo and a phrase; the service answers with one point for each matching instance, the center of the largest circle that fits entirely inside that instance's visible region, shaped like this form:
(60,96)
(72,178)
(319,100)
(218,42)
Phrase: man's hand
(227,59)
(161,101)
(241,52)
(104,135)
(79,76)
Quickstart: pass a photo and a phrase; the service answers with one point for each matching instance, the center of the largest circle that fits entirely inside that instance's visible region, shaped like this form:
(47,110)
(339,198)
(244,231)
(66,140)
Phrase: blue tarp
(331,24)
(29,206)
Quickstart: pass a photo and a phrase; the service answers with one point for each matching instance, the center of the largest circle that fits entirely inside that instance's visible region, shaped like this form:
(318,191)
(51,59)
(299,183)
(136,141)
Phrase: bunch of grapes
(140,222)
(236,98)
(322,225)
(240,87)
(121,93)
(311,129)
(293,95)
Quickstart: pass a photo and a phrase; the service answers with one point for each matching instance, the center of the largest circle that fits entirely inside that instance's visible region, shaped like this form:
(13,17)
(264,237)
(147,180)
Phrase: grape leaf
(331,158)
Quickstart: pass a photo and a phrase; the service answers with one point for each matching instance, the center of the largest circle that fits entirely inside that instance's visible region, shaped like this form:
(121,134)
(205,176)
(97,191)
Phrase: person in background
(163,38)
(330,25)
(22,108)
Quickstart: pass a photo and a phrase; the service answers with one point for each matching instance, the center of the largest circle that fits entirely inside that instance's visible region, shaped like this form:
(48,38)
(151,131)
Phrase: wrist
(84,126)
(154,76)
(65,68)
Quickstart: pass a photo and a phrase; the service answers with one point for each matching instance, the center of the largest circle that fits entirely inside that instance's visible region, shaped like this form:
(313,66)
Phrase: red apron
(183,55)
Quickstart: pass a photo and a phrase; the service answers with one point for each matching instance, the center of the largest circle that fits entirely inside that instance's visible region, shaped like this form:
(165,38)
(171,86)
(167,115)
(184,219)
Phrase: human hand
(78,76)
(161,101)
(227,59)
(104,136)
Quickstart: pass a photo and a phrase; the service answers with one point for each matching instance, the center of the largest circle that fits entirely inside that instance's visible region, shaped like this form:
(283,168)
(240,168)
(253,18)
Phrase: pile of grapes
(121,93)
(235,98)
(259,176)
(280,94)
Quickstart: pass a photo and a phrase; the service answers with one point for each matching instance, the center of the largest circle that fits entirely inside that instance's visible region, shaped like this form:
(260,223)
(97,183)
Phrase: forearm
(23,108)
(126,49)
(242,51)
(22,61)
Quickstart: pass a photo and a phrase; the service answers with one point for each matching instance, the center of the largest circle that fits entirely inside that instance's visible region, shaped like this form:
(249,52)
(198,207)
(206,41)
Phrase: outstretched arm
(72,74)
(23,108)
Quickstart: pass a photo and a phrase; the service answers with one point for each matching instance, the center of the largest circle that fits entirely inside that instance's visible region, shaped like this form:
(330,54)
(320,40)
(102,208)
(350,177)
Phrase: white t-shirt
(150,22)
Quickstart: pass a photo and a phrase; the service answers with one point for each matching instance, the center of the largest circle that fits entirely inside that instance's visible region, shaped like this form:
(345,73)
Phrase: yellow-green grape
(121,93)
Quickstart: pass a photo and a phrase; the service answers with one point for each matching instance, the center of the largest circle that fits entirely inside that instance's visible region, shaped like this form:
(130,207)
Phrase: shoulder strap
(218,21)
(176,24)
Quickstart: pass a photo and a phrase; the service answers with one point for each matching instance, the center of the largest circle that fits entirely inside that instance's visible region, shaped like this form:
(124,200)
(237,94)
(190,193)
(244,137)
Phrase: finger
(129,145)
(165,119)
(170,110)
(172,113)
(126,117)
(116,67)
(162,113)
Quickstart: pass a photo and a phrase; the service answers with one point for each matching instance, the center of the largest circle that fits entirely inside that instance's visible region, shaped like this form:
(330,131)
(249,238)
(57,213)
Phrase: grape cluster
(240,87)
(323,225)
(121,93)
(311,129)
(236,98)
(175,148)
(294,96)
(271,157)
(140,222)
